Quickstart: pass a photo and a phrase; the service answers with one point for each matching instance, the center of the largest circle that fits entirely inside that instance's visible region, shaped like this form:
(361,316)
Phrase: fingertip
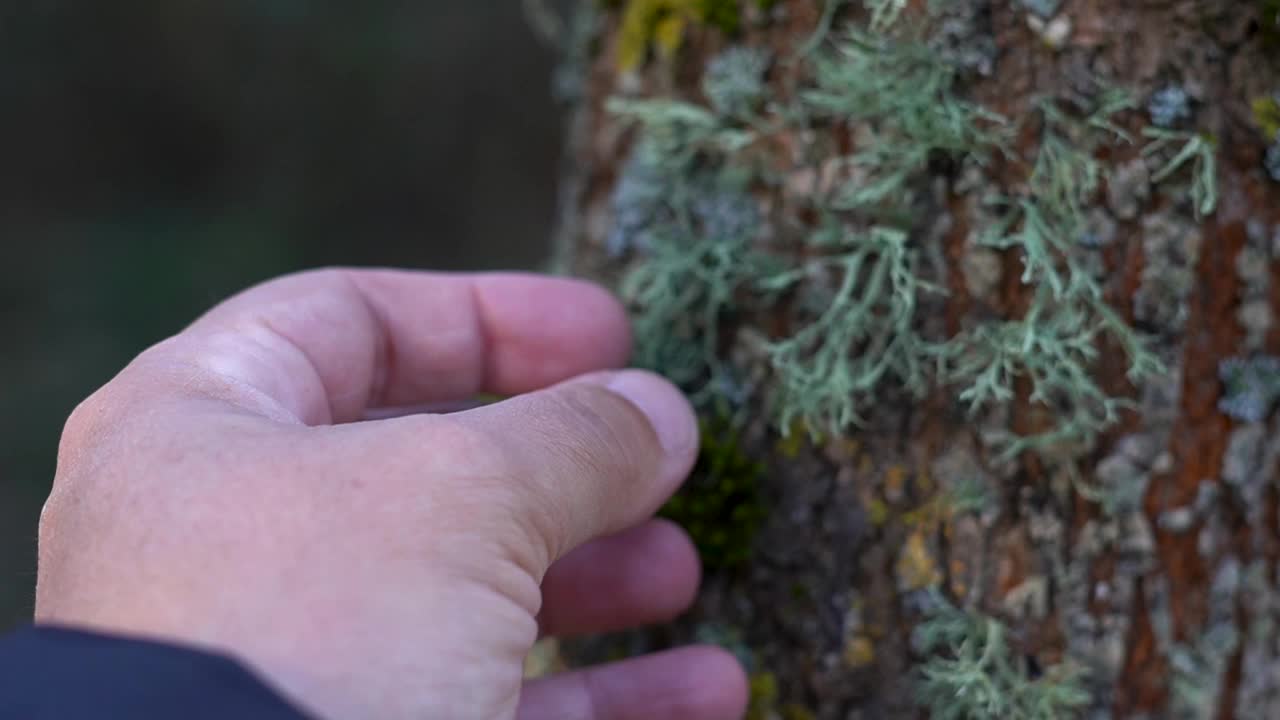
(692,683)
(554,328)
(613,324)
(648,574)
(728,688)
(669,414)
(674,549)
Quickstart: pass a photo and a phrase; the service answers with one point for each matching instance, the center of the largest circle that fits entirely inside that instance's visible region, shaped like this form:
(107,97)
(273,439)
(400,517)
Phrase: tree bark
(1125,571)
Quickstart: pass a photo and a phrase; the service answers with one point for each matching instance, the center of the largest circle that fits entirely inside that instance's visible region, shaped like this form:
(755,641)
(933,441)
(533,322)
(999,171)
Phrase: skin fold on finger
(329,345)
(441,408)
(696,683)
(648,574)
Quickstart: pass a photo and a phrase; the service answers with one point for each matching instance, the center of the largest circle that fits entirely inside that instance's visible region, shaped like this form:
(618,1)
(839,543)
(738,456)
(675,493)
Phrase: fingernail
(668,410)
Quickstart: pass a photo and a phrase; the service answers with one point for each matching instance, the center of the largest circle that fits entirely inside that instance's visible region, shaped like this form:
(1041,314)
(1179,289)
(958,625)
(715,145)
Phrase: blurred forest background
(158,156)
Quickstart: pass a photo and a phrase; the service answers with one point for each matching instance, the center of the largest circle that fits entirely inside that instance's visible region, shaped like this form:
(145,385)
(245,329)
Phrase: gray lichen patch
(1259,691)
(1129,189)
(735,81)
(1170,106)
(1253,266)
(1251,387)
(1199,667)
(1171,245)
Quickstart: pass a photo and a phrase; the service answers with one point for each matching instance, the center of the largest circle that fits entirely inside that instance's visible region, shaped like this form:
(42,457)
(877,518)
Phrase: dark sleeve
(48,673)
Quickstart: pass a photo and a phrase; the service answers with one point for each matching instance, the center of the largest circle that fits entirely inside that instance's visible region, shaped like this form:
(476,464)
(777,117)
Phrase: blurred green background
(158,156)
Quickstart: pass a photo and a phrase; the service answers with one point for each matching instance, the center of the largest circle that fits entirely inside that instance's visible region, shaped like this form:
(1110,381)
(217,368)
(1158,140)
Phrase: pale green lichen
(689,215)
(828,372)
(973,674)
(715,236)
(735,81)
(1055,343)
(867,337)
(1197,152)
(884,13)
(867,77)
(862,260)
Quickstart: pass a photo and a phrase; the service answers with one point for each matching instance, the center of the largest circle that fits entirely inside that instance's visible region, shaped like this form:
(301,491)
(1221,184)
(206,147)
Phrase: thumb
(589,457)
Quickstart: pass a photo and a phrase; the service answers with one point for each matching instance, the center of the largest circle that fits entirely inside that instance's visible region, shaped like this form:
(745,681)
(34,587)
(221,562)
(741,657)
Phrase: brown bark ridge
(1148,556)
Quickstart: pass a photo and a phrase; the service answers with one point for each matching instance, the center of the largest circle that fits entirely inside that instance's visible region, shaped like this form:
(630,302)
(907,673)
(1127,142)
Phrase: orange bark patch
(1198,444)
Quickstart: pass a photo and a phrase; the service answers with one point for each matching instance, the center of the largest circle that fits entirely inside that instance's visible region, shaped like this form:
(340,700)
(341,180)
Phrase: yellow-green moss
(764,696)
(720,505)
(797,712)
(1266,113)
(1269,22)
(661,25)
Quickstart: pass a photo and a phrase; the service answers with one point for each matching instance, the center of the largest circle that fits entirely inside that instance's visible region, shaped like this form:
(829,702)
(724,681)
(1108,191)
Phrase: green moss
(1266,113)
(764,696)
(1269,22)
(795,711)
(725,15)
(661,25)
(720,505)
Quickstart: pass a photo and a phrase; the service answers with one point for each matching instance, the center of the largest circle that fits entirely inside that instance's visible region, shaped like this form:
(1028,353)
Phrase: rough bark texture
(1145,556)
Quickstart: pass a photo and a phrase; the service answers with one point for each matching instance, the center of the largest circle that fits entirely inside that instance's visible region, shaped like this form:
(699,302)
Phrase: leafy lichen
(1197,152)
(828,372)
(692,219)
(867,77)
(1055,343)
(973,674)
(830,250)
(861,260)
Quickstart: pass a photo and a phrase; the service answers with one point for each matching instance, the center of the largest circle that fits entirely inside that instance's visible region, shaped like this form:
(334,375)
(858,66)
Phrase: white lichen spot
(1054,33)
(1128,189)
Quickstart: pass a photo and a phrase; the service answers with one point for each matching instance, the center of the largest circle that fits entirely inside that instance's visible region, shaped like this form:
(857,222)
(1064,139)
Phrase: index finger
(329,345)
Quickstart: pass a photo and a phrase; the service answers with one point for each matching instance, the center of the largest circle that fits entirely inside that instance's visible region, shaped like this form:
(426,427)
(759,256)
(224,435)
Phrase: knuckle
(88,426)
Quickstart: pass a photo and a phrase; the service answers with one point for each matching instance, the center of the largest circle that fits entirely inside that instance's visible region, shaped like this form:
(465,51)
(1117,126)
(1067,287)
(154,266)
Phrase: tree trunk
(977,302)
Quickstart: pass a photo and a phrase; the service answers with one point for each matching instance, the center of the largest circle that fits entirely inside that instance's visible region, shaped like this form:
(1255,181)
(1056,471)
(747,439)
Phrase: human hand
(227,491)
